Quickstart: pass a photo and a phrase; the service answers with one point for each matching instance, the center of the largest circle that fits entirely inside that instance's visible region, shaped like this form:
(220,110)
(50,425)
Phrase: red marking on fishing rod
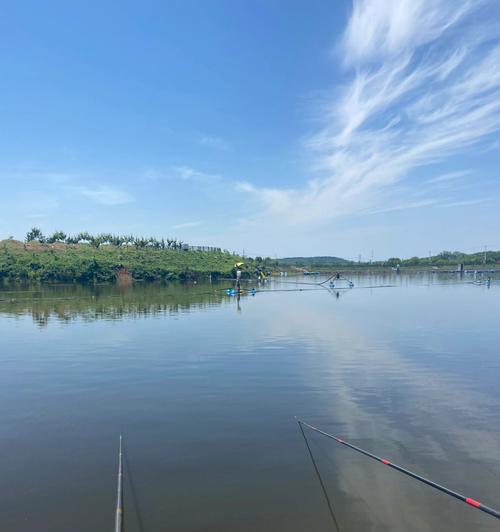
(473,502)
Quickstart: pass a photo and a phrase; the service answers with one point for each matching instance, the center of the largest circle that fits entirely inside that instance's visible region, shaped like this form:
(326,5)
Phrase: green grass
(84,263)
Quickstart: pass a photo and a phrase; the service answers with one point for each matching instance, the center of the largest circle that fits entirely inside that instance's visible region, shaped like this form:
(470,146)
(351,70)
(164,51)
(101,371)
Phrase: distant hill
(441,260)
(302,262)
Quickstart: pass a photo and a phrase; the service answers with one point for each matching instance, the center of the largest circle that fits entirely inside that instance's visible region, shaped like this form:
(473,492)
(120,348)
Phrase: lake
(205,387)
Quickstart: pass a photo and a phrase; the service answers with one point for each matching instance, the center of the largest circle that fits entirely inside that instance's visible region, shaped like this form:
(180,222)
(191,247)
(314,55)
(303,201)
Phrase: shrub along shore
(60,262)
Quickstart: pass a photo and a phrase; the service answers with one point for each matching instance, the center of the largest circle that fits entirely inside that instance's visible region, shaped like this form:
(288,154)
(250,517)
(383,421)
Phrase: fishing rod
(119,494)
(288,290)
(321,483)
(304,282)
(471,502)
(368,287)
(334,289)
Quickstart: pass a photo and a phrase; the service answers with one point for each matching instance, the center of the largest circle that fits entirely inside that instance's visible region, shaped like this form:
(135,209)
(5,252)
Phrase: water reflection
(390,390)
(205,386)
(67,303)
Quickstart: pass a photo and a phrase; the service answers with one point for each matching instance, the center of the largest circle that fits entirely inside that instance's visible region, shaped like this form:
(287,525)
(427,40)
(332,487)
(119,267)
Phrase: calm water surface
(205,388)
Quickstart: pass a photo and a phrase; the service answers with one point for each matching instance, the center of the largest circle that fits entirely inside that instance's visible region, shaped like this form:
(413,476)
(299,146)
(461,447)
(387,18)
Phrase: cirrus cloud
(422,84)
(104,194)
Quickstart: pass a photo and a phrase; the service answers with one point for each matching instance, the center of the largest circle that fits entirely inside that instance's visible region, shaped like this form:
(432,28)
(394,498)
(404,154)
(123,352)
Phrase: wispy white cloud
(215,142)
(187,225)
(450,176)
(104,194)
(182,172)
(387,27)
(405,206)
(188,173)
(422,84)
(463,203)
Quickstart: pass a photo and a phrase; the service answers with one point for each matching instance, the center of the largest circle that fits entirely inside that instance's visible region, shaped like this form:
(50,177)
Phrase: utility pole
(371,260)
(485,248)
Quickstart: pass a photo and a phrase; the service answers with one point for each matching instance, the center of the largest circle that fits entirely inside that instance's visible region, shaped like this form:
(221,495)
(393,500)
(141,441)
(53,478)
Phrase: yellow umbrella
(238,264)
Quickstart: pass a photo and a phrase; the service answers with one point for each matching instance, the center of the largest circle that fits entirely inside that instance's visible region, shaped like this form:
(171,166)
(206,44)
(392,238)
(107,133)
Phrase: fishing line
(135,499)
(323,487)
(306,283)
(350,287)
(329,279)
(289,290)
(298,282)
(468,500)
(353,489)
(362,287)
(376,286)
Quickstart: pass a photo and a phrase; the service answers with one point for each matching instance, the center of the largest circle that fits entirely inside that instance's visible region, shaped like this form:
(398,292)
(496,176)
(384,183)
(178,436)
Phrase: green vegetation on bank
(105,258)
(445,259)
(313,261)
(84,263)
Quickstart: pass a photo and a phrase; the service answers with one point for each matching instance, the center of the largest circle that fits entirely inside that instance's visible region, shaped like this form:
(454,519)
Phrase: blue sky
(275,127)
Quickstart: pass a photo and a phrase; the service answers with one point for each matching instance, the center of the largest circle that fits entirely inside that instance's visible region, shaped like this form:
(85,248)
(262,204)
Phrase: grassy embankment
(59,262)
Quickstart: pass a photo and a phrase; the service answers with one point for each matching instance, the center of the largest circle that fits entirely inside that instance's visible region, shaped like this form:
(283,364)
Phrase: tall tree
(35,234)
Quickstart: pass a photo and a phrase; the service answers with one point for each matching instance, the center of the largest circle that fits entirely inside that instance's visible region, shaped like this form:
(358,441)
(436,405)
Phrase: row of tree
(36,235)
(446,258)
